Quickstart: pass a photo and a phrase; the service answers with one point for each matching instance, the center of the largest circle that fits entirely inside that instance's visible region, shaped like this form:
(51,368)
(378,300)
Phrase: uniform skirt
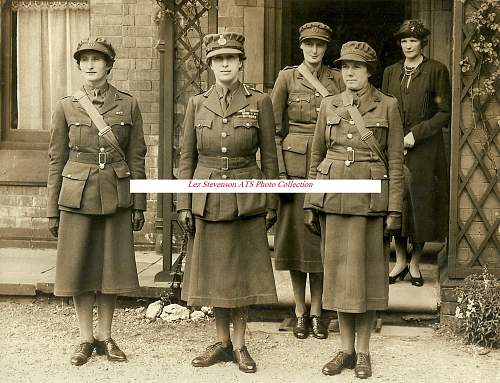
(95,253)
(356,262)
(229,264)
(295,246)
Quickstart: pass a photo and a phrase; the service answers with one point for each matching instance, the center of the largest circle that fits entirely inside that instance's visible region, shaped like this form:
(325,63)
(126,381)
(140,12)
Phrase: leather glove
(392,223)
(311,220)
(186,221)
(271,218)
(409,141)
(54,226)
(137,220)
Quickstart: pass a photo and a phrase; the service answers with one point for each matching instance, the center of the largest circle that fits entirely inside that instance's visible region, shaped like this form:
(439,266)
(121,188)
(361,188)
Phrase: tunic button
(349,148)
(316,94)
(224,120)
(122,123)
(77,124)
(77,148)
(347,163)
(223,134)
(223,149)
(351,122)
(247,124)
(328,122)
(297,99)
(349,135)
(102,150)
(224,176)
(385,175)
(317,110)
(69,175)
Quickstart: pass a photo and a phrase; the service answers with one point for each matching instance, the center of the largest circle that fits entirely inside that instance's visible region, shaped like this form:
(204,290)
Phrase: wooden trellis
(474,240)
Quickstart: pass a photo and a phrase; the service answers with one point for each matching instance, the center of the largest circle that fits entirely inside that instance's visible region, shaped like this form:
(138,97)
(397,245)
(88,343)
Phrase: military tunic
(296,105)
(95,243)
(354,254)
(228,262)
(425,107)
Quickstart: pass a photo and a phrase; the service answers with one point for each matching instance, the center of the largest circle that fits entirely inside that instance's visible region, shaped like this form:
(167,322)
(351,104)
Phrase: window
(37,40)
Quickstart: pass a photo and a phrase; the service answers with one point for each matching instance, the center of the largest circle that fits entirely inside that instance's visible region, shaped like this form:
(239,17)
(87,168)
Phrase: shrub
(478,310)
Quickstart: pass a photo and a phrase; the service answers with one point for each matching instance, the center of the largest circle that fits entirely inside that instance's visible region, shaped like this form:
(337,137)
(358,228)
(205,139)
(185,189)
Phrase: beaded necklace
(409,70)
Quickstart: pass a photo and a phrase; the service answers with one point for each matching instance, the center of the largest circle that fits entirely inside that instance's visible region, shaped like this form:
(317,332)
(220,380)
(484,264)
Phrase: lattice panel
(477,240)
(190,70)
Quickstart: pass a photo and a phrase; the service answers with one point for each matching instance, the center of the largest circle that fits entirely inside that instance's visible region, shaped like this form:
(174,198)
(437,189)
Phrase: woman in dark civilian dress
(296,104)
(228,264)
(422,88)
(354,245)
(90,208)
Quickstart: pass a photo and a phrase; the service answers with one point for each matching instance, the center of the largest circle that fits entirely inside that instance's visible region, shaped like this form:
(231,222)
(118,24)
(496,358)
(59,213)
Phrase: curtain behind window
(46,70)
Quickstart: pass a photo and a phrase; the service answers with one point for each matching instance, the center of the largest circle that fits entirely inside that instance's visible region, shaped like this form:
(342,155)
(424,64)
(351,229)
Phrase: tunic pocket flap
(80,121)
(246,123)
(324,166)
(298,97)
(376,123)
(295,144)
(121,169)
(118,121)
(378,173)
(76,171)
(333,120)
(203,124)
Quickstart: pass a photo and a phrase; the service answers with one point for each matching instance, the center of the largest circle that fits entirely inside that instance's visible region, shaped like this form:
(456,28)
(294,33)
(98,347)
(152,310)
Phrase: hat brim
(224,51)
(354,57)
(323,38)
(78,53)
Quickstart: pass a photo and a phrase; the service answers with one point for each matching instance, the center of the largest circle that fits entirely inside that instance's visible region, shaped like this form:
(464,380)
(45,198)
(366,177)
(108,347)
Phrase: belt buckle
(348,161)
(102,159)
(226,164)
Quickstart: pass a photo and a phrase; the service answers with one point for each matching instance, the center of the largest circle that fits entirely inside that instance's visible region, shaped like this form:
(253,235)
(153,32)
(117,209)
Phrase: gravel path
(37,337)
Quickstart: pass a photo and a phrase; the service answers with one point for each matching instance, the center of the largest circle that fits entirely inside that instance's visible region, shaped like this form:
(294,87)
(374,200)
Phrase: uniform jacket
(75,181)
(425,110)
(296,105)
(228,140)
(335,133)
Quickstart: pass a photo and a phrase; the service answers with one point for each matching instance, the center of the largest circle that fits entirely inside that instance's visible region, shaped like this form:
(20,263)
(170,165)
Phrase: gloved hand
(271,218)
(392,223)
(137,220)
(409,141)
(311,220)
(54,226)
(186,221)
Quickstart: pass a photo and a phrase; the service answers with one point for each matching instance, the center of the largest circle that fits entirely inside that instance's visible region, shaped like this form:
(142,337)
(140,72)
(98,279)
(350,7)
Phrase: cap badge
(91,43)
(315,29)
(222,40)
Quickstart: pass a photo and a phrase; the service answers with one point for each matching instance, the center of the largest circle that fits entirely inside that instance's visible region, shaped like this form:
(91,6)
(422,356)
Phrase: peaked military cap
(358,51)
(315,30)
(224,43)
(98,45)
(412,28)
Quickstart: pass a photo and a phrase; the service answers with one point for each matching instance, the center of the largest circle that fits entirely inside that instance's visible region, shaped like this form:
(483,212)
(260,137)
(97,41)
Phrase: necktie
(97,98)
(225,100)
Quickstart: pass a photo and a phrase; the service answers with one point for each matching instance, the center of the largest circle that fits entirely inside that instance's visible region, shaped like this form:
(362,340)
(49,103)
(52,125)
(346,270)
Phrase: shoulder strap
(366,134)
(313,80)
(104,130)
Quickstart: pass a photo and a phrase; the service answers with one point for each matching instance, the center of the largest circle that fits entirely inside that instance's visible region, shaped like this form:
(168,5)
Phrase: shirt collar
(221,91)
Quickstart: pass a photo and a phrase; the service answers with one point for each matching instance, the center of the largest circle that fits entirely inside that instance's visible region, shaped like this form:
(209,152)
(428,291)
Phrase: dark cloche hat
(358,51)
(224,43)
(315,30)
(98,45)
(412,28)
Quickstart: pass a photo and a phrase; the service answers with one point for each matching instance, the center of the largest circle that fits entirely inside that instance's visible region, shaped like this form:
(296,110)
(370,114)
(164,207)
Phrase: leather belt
(226,163)
(100,159)
(350,155)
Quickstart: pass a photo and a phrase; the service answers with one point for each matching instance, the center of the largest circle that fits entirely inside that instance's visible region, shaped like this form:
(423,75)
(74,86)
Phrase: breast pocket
(201,127)
(300,107)
(121,129)
(379,128)
(246,134)
(76,127)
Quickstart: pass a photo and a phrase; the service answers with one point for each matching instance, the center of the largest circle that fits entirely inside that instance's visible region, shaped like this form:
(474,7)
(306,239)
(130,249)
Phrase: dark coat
(214,140)
(425,110)
(75,182)
(335,132)
(296,106)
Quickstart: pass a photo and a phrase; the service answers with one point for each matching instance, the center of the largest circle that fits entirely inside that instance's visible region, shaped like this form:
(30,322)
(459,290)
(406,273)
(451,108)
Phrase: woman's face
(226,68)
(94,67)
(412,47)
(313,50)
(355,74)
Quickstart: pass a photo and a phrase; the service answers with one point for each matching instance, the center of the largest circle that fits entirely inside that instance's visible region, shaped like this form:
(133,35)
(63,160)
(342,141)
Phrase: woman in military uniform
(89,205)
(296,103)
(422,88)
(358,136)
(228,265)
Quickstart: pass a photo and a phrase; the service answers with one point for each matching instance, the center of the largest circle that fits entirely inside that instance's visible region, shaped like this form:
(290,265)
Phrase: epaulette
(290,67)
(387,94)
(248,88)
(207,93)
